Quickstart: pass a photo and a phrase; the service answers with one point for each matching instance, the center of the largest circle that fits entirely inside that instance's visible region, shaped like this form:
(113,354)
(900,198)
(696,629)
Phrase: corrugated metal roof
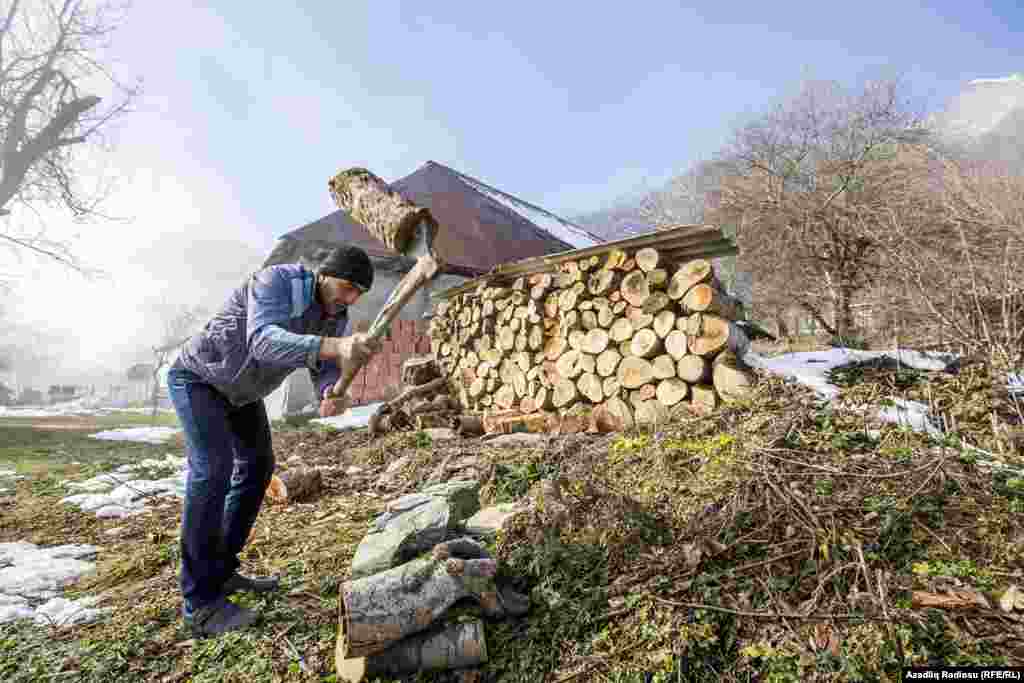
(480,226)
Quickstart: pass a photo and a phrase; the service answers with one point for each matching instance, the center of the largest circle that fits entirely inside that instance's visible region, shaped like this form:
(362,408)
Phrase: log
(615,259)
(634,372)
(589,320)
(621,330)
(731,378)
(689,274)
(645,344)
(567,300)
(576,338)
(676,344)
(527,405)
(595,341)
(671,391)
(568,364)
(457,646)
(542,399)
(614,415)
(644,393)
(634,289)
(704,399)
(651,414)
(419,370)
(467,425)
(607,362)
(611,387)
(555,347)
(587,362)
(664,366)
(664,323)
(646,259)
(385,213)
(605,316)
(619,305)
(603,282)
(511,421)
(626,348)
(657,278)
(656,302)
(639,318)
(564,393)
(590,387)
(505,397)
(704,298)
(295,485)
(693,369)
(440,418)
(375,427)
(506,338)
(713,334)
(535,339)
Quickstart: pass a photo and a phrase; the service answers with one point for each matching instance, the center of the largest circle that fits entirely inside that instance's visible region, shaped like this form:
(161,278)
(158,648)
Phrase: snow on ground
(356,417)
(31,579)
(116,494)
(811,368)
(153,435)
(88,406)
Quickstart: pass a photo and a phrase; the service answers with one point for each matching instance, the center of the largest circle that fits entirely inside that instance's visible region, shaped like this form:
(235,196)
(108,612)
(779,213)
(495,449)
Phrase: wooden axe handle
(423,272)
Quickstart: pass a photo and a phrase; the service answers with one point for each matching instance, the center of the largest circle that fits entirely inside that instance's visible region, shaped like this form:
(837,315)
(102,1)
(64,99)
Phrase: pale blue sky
(567,104)
(250,108)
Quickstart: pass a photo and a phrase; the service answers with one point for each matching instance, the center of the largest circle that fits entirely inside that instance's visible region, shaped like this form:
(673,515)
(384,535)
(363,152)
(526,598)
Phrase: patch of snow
(29,571)
(152,435)
(811,368)
(115,495)
(30,574)
(86,407)
(1012,78)
(356,417)
(64,612)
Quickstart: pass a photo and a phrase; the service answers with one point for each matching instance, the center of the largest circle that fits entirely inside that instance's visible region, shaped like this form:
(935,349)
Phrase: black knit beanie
(348,263)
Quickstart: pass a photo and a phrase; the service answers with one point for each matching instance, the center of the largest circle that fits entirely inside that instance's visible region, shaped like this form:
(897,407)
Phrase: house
(480,228)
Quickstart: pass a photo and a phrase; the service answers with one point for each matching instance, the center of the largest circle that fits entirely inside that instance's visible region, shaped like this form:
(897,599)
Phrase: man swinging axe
(282,318)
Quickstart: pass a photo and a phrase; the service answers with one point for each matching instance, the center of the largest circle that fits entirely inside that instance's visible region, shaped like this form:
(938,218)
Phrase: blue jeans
(230,462)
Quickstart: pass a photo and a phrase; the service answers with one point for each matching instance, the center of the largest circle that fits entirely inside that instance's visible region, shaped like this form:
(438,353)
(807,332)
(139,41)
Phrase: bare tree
(810,181)
(50,65)
(179,322)
(958,251)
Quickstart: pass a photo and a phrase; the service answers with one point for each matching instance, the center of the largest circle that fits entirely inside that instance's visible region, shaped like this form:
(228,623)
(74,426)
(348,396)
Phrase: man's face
(335,293)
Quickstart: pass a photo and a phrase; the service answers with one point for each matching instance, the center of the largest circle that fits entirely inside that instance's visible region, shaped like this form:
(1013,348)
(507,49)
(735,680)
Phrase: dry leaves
(950,600)
(1012,599)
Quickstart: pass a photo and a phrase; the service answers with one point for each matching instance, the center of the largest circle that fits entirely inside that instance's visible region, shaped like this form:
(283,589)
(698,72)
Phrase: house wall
(381,376)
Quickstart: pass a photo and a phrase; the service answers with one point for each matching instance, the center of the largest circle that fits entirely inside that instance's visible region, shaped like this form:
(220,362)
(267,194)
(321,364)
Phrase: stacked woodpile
(424,400)
(623,337)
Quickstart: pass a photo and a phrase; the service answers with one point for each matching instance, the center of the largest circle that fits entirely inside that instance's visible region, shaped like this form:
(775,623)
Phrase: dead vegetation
(775,540)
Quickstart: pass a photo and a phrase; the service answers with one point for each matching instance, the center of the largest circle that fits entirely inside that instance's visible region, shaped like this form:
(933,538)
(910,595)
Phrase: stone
(413,524)
(354,469)
(488,522)
(519,439)
(405,533)
(440,433)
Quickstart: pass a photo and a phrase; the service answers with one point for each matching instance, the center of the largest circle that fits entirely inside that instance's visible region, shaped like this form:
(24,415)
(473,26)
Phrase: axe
(401,225)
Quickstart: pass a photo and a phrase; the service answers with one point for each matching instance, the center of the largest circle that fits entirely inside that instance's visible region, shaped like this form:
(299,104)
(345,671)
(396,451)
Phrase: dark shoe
(220,617)
(256,584)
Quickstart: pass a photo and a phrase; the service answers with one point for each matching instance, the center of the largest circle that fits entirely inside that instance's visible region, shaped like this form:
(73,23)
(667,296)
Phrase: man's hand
(331,405)
(357,348)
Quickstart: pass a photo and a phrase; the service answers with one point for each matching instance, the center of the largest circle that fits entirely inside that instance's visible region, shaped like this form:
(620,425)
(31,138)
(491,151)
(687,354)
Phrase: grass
(713,549)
